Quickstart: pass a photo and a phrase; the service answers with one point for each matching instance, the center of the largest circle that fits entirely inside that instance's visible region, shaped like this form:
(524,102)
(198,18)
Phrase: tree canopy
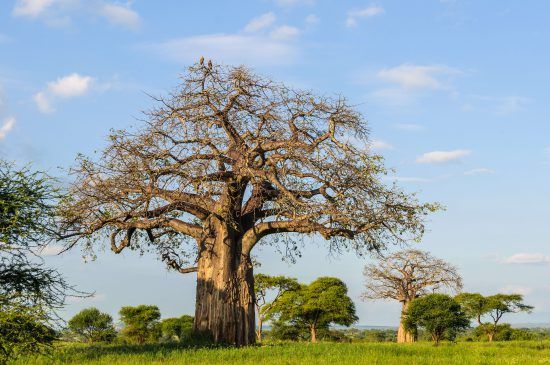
(92,325)
(141,323)
(494,306)
(323,302)
(406,275)
(227,159)
(268,290)
(30,292)
(438,314)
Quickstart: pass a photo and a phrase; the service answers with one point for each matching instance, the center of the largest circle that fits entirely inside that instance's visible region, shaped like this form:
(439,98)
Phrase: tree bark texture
(225,292)
(404,336)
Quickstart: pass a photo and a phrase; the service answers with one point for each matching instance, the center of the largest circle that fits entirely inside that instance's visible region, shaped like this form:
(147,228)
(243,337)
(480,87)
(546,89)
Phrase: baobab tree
(405,276)
(227,159)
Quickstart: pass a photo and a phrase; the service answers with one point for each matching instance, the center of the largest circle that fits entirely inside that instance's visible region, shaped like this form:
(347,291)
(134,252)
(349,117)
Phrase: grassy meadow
(512,352)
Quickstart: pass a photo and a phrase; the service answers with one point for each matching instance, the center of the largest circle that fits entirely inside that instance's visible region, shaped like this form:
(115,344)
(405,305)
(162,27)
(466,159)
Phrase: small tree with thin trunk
(269,287)
(225,160)
(317,305)
(438,314)
(405,276)
(494,306)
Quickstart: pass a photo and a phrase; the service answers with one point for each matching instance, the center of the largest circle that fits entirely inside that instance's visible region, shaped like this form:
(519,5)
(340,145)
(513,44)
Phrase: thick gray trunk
(404,336)
(225,293)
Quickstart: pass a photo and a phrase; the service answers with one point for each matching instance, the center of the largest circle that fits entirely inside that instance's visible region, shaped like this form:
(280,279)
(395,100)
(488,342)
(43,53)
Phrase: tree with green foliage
(224,162)
(438,314)
(264,286)
(406,275)
(177,329)
(494,307)
(141,323)
(323,302)
(91,325)
(30,293)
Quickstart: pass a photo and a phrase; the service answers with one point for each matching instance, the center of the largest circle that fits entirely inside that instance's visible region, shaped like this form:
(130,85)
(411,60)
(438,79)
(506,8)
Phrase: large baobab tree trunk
(404,336)
(225,292)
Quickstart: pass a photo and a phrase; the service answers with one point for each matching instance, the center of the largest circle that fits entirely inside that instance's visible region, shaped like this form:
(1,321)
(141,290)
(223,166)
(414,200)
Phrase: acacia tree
(316,306)
(263,286)
(92,325)
(141,323)
(225,160)
(30,292)
(405,276)
(495,306)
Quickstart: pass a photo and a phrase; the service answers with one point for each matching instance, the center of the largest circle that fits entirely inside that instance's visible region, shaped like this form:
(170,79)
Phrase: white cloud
(416,77)
(31,8)
(408,127)
(43,103)
(355,15)
(285,32)
(439,157)
(120,15)
(59,13)
(527,258)
(378,144)
(516,289)
(261,22)
(312,19)
(289,3)
(409,179)
(70,86)
(228,48)
(50,250)
(479,171)
(6,127)
(66,87)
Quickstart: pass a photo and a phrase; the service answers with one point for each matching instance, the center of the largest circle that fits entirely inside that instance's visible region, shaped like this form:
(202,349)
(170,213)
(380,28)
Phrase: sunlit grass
(520,352)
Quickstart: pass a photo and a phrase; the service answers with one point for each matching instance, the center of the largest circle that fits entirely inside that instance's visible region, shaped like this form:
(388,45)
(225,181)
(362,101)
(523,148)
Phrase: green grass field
(521,352)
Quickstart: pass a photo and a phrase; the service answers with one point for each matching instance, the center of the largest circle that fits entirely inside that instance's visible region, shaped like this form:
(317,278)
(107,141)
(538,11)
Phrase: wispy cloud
(354,16)
(31,8)
(50,250)
(410,127)
(378,144)
(260,22)
(66,87)
(479,171)
(497,105)
(260,43)
(290,3)
(120,15)
(61,12)
(312,19)
(527,258)
(516,289)
(417,77)
(440,157)
(6,127)
(405,83)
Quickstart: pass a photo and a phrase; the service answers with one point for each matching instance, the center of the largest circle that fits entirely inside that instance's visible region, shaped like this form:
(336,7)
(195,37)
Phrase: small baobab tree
(406,275)
(225,160)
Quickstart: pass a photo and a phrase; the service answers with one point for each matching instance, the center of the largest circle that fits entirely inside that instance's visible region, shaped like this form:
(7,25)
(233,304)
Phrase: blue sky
(456,94)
